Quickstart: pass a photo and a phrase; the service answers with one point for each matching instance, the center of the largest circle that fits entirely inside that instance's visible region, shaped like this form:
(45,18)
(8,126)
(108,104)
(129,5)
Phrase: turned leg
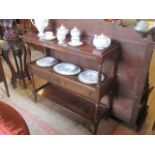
(96,121)
(18,52)
(26,64)
(33,87)
(5,53)
(22,72)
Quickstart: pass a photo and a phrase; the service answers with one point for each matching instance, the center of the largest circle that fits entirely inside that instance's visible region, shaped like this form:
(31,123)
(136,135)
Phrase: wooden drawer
(47,76)
(78,88)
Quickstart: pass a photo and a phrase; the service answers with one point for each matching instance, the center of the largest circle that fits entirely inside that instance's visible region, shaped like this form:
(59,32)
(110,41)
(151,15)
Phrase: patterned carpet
(42,118)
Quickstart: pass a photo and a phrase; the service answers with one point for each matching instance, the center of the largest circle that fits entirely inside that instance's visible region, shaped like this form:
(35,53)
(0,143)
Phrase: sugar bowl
(61,34)
(101,41)
(75,37)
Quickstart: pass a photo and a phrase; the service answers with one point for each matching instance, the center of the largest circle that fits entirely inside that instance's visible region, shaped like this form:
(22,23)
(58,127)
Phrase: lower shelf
(72,103)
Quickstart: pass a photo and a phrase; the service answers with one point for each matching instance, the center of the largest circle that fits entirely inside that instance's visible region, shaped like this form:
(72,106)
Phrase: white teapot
(101,41)
(40,24)
(62,30)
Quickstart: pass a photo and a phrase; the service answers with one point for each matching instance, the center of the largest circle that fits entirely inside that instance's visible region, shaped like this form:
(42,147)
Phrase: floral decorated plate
(46,61)
(89,77)
(66,69)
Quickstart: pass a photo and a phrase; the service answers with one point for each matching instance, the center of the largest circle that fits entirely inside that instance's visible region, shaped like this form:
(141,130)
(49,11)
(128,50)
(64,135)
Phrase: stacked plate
(66,69)
(46,61)
(89,77)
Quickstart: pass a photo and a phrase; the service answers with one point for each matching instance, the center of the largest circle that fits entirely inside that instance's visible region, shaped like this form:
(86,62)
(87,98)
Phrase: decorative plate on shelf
(66,69)
(75,44)
(46,61)
(89,77)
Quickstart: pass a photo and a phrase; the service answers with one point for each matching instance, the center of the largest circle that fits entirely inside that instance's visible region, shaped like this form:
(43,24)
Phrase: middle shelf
(71,82)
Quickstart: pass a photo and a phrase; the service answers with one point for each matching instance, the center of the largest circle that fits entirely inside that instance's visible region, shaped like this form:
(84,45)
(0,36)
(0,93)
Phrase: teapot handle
(46,22)
(32,22)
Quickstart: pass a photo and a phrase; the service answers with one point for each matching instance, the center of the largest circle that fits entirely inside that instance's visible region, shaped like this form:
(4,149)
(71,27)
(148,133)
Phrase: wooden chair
(2,74)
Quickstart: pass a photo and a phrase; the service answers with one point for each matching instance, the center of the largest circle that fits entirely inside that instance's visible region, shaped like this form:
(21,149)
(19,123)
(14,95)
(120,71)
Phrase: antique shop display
(122,87)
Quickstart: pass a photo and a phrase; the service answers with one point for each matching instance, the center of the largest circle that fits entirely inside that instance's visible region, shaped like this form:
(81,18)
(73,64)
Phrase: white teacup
(49,35)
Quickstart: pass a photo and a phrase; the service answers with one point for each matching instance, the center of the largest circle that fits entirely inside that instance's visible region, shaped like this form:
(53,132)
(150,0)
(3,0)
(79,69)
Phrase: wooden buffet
(83,99)
(125,63)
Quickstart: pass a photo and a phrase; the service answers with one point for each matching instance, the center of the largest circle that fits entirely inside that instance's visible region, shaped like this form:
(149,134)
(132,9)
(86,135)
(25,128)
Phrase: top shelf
(86,50)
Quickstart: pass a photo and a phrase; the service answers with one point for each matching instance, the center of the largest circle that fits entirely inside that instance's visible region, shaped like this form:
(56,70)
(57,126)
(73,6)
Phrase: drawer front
(79,89)
(45,75)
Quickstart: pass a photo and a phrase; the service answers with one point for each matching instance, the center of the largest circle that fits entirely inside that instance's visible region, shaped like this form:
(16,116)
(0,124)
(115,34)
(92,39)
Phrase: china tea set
(64,68)
(100,41)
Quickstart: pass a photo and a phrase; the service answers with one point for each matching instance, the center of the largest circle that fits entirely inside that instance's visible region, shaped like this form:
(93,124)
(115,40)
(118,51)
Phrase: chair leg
(6,87)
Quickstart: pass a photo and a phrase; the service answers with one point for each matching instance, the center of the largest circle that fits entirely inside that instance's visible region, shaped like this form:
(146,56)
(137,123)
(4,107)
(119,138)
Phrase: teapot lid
(62,28)
(100,36)
(75,29)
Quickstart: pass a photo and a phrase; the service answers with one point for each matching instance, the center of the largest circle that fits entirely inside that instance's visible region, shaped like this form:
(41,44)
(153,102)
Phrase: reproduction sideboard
(124,95)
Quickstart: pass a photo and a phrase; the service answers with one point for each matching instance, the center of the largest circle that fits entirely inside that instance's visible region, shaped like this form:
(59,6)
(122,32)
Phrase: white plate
(46,62)
(89,77)
(75,45)
(66,69)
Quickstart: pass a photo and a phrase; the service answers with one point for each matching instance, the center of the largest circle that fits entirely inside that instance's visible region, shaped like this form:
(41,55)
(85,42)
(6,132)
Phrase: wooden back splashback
(134,59)
(135,52)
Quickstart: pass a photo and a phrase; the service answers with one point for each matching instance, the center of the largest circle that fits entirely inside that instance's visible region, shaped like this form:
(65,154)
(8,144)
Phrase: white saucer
(66,69)
(48,39)
(75,45)
(89,77)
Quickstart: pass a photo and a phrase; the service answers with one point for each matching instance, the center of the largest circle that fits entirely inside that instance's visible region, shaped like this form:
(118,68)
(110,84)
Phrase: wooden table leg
(3,77)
